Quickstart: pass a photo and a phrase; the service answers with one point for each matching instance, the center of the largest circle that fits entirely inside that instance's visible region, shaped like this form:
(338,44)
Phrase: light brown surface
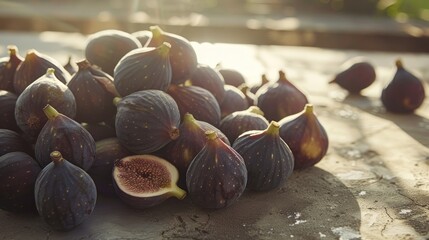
(372,184)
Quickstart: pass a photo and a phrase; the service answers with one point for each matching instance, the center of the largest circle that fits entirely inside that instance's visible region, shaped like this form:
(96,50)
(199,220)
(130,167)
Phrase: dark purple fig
(250,97)
(280,99)
(65,194)
(7,106)
(8,68)
(143,69)
(18,173)
(305,136)
(209,79)
(143,181)
(105,48)
(233,101)
(63,133)
(269,160)
(232,76)
(11,141)
(192,139)
(355,75)
(45,90)
(144,37)
(94,91)
(34,66)
(197,101)
(108,151)
(217,176)
(183,58)
(146,120)
(264,80)
(404,93)
(236,123)
(70,66)
(100,131)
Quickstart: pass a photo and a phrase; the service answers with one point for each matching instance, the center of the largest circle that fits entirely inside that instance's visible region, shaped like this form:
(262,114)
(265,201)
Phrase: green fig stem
(156,31)
(188,117)
(50,112)
(50,72)
(256,110)
(273,128)
(178,192)
(56,157)
(211,135)
(164,49)
(399,64)
(308,109)
(116,100)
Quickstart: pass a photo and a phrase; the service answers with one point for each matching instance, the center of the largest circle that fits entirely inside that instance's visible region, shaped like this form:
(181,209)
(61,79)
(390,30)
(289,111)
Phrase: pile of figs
(141,119)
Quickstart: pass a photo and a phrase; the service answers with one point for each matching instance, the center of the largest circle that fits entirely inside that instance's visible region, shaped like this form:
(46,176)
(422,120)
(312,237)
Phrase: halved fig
(143,181)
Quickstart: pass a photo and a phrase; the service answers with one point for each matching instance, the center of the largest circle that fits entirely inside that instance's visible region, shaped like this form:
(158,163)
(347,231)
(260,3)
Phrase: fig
(269,160)
(70,67)
(108,151)
(18,173)
(143,181)
(99,131)
(8,68)
(280,99)
(355,75)
(11,141)
(209,79)
(105,48)
(45,90)
(146,120)
(217,176)
(34,66)
(197,101)
(192,139)
(65,194)
(144,37)
(7,106)
(264,80)
(305,136)
(183,58)
(233,101)
(142,69)
(232,76)
(250,97)
(94,91)
(404,93)
(236,123)
(63,133)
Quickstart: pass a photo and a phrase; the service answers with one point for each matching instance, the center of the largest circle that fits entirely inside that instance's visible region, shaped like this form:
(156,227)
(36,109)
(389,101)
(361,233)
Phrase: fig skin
(305,136)
(236,123)
(108,151)
(34,66)
(7,106)
(232,77)
(197,101)
(29,105)
(18,173)
(404,93)
(130,174)
(234,100)
(280,99)
(106,47)
(65,194)
(183,57)
(210,79)
(264,80)
(250,97)
(63,133)
(356,75)
(11,141)
(269,160)
(143,69)
(217,176)
(99,131)
(94,92)
(8,68)
(70,66)
(146,120)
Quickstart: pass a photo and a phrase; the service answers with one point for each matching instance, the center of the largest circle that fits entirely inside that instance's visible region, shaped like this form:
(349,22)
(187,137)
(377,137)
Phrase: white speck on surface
(405,211)
(346,233)
(362,193)
(322,235)
(354,175)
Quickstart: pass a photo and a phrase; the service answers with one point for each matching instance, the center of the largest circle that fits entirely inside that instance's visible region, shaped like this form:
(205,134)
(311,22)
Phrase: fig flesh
(143,181)
(356,75)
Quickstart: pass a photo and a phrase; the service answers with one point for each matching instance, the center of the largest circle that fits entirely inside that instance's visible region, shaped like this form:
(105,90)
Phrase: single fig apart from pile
(64,134)
(280,99)
(143,69)
(217,176)
(404,93)
(269,160)
(143,181)
(8,68)
(146,120)
(305,136)
(7,106)
(355,75)
(65,194)
(106,47)
(18,173)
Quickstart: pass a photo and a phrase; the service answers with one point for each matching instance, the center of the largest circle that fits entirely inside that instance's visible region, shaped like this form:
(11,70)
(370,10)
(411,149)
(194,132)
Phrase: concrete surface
(372,184)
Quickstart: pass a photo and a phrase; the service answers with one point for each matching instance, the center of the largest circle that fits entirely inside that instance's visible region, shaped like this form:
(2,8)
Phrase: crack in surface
(387,223)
